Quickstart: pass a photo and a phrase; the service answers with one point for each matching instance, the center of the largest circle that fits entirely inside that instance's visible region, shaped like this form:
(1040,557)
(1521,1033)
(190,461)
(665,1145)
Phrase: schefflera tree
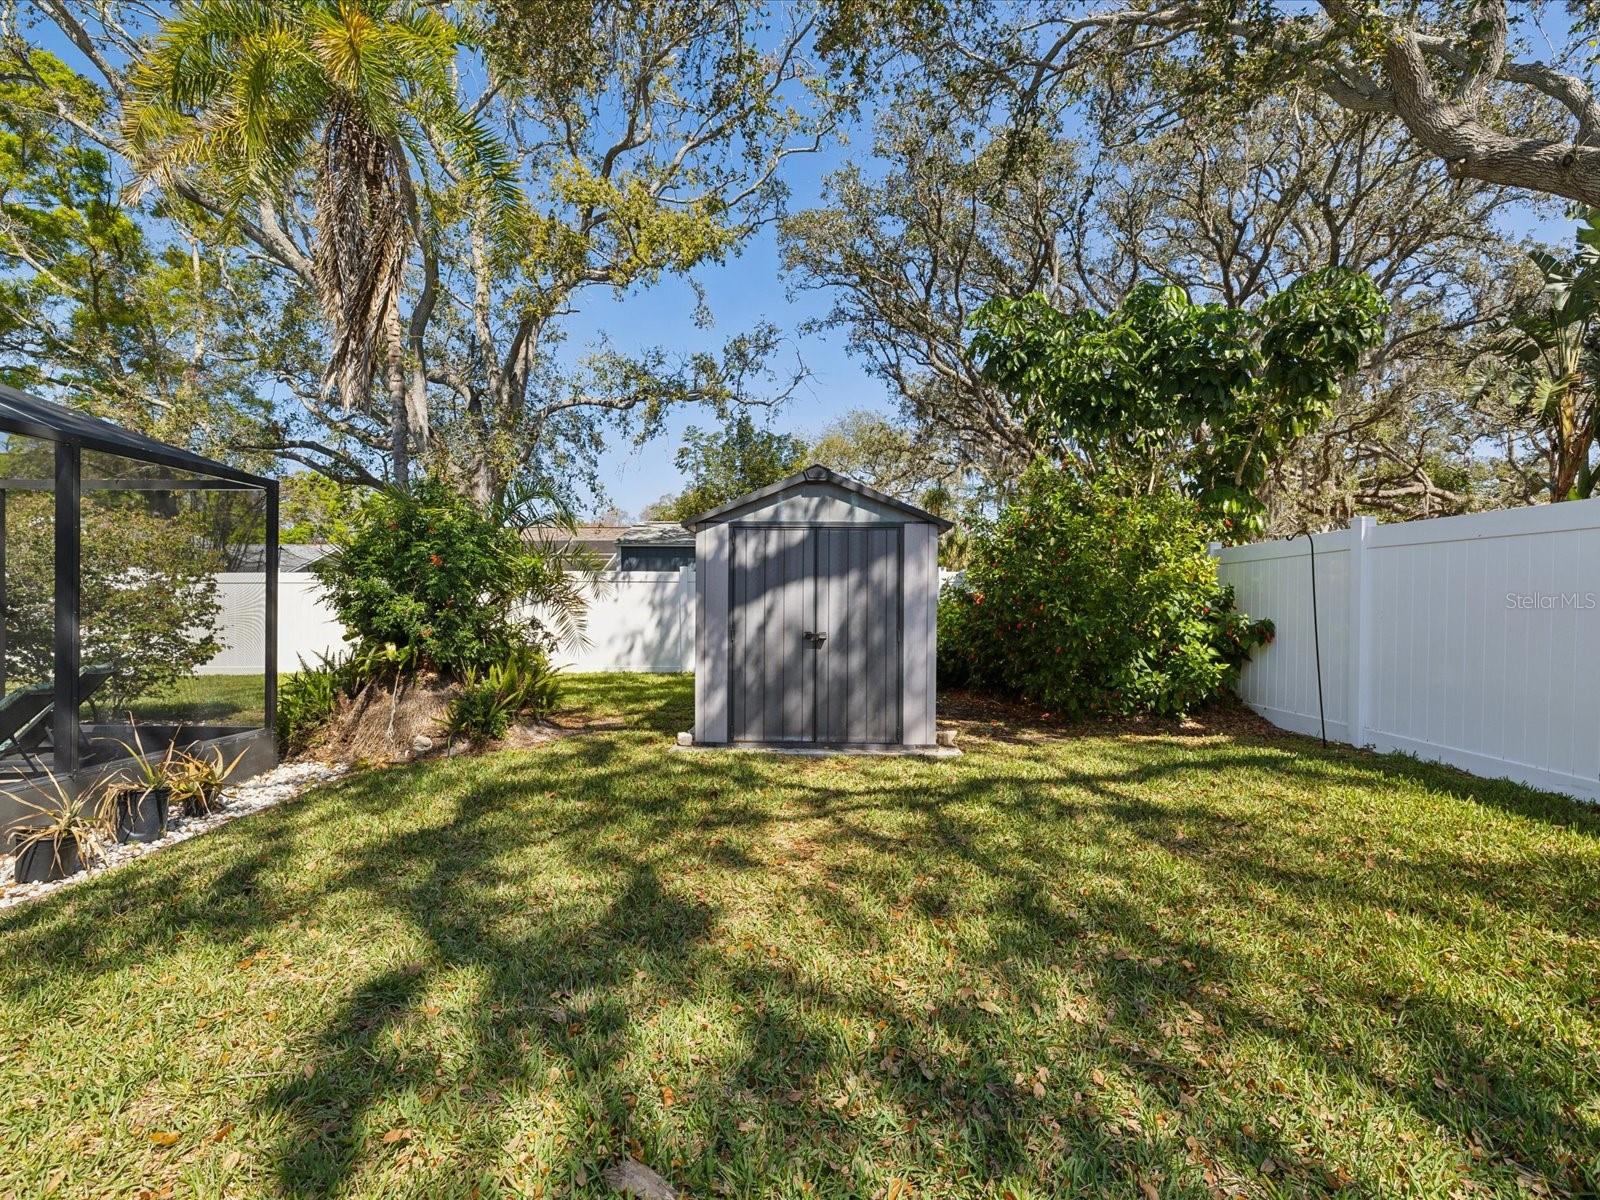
(1163,393)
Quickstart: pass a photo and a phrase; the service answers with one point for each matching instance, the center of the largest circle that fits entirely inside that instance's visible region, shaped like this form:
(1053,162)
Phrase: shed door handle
(818,638)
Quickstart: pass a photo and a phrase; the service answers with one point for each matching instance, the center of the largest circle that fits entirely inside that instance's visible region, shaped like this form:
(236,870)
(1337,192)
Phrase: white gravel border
(270,788)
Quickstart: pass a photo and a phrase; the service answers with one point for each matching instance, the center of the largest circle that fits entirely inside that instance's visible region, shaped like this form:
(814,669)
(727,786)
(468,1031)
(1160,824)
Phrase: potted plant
(56,841)
(147,788)
(134,811)
(198,779)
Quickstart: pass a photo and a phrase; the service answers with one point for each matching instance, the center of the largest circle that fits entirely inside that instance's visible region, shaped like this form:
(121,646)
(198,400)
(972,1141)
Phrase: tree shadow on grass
(649,940)
(845,924)
(924,1078)
(1501,1088)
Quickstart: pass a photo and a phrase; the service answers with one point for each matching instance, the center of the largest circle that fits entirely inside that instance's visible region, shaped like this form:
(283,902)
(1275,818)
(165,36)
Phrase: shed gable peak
(814,480)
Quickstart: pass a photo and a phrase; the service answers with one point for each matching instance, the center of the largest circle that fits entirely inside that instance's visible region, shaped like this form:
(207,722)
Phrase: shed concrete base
(822,751)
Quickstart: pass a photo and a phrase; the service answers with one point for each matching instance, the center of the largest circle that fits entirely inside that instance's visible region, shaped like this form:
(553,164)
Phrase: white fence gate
(636,621)
(1473,640)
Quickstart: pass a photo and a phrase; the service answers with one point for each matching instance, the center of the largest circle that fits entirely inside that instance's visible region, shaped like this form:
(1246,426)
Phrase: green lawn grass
(205,699)
(1067,963)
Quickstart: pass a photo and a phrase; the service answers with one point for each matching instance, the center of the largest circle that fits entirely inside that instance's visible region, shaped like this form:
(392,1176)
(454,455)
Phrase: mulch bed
(1018,720)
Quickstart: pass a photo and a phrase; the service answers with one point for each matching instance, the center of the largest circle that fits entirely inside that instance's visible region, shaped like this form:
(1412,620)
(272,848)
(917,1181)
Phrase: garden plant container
(201,803)
(47,860)
(142,816)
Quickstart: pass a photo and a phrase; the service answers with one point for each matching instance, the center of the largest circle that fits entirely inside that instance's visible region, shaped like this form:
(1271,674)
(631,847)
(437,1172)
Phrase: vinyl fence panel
(306,625)
(1472,640)
(636,621)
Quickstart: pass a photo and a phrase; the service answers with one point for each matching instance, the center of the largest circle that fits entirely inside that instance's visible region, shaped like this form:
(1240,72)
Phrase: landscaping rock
(421,744)
(261,791)
(945,737)
(685,738)
(633,1178)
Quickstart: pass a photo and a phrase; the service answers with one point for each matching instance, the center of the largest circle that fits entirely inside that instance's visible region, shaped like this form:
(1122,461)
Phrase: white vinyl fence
(637,621)
(306,626)
(1473,641)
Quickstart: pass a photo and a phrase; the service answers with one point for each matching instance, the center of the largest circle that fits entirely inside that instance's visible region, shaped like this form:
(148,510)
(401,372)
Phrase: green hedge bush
(1092,603)
(308,698)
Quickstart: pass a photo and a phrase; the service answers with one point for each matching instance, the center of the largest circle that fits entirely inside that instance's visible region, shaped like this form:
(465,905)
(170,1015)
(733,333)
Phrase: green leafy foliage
(477,714)
(1544,359)
(252,95)
(308,698)
(315,508)
(726,463)
(524,684)
(1093,602)
(1165,393)
(100,308)
(441,582)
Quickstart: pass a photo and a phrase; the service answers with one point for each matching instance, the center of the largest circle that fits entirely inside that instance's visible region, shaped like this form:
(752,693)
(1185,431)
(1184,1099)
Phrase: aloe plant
(57,821)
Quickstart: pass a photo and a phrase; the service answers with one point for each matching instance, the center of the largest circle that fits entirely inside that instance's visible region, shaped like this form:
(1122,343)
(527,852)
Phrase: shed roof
(812,475)
(33,417)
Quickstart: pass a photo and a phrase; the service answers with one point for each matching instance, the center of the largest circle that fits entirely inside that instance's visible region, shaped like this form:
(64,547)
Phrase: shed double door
(814,625)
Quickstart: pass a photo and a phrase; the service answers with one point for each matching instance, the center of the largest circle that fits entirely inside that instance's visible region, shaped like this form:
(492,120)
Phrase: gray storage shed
(815,604)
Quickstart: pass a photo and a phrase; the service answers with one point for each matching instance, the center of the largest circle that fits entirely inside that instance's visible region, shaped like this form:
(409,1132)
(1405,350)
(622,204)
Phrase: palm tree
(355,94)
(1552,349)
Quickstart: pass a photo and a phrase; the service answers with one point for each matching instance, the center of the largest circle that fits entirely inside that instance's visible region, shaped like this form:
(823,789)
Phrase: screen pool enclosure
(111,549)
(815,617)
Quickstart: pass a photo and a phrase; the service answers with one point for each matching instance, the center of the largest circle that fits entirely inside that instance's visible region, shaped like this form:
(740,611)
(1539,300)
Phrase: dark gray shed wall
(894,701)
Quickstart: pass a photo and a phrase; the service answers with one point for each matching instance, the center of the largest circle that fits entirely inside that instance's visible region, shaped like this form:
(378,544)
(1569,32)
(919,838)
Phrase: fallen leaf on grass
(164,1137)
(396,1135)
(222,1131)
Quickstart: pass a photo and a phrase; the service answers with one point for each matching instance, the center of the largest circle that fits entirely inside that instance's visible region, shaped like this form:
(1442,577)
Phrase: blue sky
(744,291)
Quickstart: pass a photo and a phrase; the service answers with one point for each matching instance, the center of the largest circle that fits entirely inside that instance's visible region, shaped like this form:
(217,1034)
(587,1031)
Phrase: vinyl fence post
(1358,654)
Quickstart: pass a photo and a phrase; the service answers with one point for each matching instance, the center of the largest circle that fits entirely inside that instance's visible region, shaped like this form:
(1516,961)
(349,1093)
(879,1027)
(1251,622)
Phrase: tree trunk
(399,424)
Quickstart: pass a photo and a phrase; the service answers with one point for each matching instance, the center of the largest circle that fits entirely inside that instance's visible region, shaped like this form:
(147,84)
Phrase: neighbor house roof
(603,540)
(293,557)
(657,533)
(599,540)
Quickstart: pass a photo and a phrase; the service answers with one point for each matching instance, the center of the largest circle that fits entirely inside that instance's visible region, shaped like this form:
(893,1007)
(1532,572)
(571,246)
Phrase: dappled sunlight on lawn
(1175,965)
